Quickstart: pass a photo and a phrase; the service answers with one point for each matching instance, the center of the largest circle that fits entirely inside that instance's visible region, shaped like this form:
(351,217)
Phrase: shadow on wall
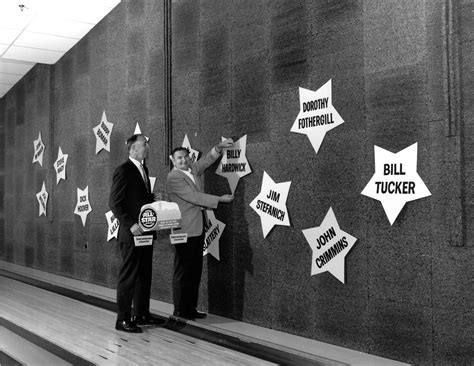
(226,277)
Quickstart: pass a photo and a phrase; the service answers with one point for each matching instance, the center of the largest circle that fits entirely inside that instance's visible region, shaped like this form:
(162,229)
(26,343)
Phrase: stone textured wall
(401,73)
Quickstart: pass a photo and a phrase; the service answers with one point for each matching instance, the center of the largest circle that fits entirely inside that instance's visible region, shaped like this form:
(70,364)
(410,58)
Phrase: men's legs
(126,280)
(141,299)
(197,245)
(182,278)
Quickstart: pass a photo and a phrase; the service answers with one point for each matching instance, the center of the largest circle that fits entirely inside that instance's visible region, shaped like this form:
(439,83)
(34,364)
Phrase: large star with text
(42,197)
(395,181)
(102,134)
(317,114)
(83,207)
(330,246)
(214,229)
(270,204)
(234,156)
(113,225)
(38,150)
(60,165)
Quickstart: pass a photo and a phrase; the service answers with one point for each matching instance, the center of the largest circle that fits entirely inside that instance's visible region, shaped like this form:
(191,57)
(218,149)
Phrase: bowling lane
(88,331)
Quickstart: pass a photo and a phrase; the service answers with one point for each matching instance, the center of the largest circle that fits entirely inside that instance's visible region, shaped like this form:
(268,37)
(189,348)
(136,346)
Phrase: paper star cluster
(102,134)
(317,114)
(234,164)
(395,181)
(213,231)
(330,246)
(83,207)
(270,204)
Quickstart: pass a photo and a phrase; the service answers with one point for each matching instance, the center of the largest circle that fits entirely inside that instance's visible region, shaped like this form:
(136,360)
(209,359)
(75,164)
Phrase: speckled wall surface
(401,73)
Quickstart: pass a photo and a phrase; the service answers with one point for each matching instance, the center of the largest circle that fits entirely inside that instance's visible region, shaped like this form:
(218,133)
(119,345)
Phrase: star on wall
(42,197)
(102,134)
(113,225)
(270,204)
(330,246)
(38,150)
(60,165)
(213,231)
(317,114)
(234,164)
(83,206)
(395,181)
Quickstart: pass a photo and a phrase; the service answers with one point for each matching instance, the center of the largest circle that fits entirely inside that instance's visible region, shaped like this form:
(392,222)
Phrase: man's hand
(136,230)
(224,145)
(226,198)
(158,196)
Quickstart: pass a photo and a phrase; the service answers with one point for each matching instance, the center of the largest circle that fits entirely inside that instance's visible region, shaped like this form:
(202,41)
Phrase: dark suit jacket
(127,195)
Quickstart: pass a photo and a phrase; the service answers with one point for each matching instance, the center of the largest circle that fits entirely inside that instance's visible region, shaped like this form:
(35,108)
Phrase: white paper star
(139,132)
(83,206)
(395,180)
(102,134)
(270,204)
(213,231)
(113,225)
(60,166)
(152,183)
(193,154)
(38,150)
(317,114)
(42,197)
(330,246)
(234,164)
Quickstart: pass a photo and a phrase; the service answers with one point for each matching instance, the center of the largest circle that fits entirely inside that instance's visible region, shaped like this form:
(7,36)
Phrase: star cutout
(38,150)
(395,180)
(60,166)
(152,183)
(270,204)
(102,134)
(330,246)
(113,225)
(234,164)
(213,231)
(138,131)
(317,114)
(83,206)
(42,197)
(193,154)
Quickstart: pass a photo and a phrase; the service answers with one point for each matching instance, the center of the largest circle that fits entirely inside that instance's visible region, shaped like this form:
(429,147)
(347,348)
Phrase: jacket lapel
(189,180)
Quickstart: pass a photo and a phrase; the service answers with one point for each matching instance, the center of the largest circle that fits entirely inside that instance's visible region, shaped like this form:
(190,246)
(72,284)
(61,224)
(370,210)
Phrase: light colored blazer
(190,196)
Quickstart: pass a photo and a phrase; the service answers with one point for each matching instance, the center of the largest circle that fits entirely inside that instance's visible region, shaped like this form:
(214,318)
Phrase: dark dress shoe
(183,315)
(148,320)
(127,326)
(199,314)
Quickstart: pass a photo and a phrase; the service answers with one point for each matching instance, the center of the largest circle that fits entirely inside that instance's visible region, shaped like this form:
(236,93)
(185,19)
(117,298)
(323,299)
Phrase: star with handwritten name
(214,229)
(270,204)
(317,114)
(38,150)
(102,134)
(83,207)
(113,225)
(60,165)
(235,158)
(330,246)
(396,180)
(42,197)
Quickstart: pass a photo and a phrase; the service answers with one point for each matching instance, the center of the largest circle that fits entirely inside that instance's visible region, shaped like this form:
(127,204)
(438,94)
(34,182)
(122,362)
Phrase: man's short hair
(181,148)
(133,139)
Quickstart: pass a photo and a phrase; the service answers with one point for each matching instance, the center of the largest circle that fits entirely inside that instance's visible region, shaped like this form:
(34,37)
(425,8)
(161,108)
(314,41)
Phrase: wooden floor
(88,331)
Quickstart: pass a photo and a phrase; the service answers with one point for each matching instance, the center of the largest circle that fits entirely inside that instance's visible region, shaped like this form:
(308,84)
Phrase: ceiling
(42,31)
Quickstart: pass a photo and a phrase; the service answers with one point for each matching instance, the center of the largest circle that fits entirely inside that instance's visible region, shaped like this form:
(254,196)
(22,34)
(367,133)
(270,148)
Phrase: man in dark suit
(130,191)
(185,187)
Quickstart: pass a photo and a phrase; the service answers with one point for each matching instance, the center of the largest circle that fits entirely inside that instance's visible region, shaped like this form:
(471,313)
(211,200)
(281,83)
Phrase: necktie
(145,178)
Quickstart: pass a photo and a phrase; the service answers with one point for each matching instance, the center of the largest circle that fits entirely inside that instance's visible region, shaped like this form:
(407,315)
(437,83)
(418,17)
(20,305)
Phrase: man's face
(141,148)
(181,160)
